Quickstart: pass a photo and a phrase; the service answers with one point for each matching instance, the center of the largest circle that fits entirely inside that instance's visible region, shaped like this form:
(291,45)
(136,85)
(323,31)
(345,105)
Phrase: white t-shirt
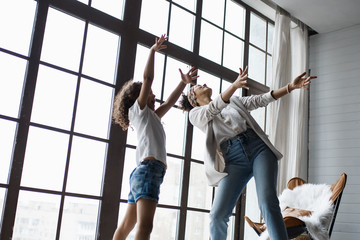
(150,133)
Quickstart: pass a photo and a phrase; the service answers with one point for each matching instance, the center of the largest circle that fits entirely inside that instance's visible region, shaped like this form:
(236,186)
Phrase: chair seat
(295,227)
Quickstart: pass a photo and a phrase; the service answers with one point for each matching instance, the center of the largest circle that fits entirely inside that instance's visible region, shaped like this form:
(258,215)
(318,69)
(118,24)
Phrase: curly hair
(184,103)
(124,99)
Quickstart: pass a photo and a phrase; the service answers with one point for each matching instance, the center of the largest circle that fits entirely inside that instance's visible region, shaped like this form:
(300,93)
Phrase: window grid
(128,30)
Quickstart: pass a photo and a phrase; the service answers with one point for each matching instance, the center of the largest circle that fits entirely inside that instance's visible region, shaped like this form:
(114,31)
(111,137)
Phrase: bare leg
(145,215)
(127,223)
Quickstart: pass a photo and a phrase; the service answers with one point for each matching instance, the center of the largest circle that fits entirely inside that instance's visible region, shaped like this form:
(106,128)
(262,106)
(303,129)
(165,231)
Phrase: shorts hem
(146,197)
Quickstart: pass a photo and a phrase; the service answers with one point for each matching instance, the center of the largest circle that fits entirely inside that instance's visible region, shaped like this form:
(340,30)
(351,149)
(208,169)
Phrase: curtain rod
(294,19)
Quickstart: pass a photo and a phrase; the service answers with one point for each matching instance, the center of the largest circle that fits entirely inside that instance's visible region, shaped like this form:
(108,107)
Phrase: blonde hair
(124,99)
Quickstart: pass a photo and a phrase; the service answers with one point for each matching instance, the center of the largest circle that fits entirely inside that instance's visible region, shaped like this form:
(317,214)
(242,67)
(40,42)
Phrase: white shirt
(204,118)
(228,124)
(150,133)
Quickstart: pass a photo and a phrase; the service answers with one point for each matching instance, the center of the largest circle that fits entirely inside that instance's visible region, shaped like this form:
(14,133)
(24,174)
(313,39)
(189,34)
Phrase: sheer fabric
(288,117)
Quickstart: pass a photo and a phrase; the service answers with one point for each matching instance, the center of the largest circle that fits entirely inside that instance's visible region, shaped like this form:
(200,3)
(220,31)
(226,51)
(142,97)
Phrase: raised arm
(299,82)
(189,77)
(240,82)
(149,71)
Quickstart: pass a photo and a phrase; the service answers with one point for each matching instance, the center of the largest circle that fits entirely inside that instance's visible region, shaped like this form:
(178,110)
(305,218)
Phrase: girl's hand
(159,43)
(301,82)
(241,81)
(190,76)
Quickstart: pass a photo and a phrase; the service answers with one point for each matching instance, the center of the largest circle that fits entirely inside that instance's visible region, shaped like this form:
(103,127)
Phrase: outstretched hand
(241,80)
(159,43)
(190,76)
(301,81)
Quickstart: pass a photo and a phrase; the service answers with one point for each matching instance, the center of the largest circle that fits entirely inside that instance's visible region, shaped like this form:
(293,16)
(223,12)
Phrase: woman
(237,149)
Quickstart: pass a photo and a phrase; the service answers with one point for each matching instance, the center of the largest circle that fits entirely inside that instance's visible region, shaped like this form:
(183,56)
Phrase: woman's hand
(159,43)
(190,76)
(241,81)
(301,82)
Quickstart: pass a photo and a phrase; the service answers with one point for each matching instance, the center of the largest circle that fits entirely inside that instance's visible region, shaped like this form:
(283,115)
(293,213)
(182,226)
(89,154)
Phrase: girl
(135,103)
(237,149)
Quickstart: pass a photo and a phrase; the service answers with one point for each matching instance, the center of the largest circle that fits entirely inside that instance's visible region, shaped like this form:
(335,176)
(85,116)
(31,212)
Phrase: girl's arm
(299,82)
(149,71)
(174,96)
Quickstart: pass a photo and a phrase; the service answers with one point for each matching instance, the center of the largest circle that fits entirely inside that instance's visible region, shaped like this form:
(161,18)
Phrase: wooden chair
(295,227)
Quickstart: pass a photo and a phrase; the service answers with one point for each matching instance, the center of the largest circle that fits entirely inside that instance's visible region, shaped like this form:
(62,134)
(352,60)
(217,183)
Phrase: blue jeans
(246,155)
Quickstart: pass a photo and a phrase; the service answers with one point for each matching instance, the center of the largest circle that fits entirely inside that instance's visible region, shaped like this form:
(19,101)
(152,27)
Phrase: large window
(64,166)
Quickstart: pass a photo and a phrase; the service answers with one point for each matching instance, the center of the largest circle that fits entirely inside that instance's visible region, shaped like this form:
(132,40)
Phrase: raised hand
(190,76)
(241,80)
(301,82)
(159,43)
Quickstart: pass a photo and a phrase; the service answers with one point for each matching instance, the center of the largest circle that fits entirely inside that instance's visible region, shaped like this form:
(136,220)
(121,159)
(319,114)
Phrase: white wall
(334,137)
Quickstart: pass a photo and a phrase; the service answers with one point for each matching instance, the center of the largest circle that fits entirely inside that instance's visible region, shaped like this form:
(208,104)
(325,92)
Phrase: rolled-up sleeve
(255,101)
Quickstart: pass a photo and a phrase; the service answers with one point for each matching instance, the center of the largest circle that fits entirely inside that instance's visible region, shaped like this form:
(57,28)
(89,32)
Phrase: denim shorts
(145,181)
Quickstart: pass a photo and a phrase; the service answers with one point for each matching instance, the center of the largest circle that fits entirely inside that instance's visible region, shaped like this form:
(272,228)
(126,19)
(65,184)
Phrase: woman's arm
(240,82)
(149,71)
(189,77)
(299,82)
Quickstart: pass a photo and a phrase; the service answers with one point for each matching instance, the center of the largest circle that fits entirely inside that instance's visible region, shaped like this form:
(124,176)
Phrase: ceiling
(323,16)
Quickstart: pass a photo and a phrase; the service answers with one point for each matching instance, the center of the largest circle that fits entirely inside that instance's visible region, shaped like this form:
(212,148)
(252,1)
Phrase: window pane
(54,106)
(62,40)
(210,42)
(100,54)
(171,187)
(198,144)
(270,38)
(256,65)
(189,4)
(142,54)
(214,11)
(89,153)
(7,130)
(182,28)
(155,23)
(2,199)
(16,25)
(114,8)
(174,126)
(11,83)
(200,193)
(259,116)
(94,108)
(79,219)
(197,226)
(129,166)
(251,209)
(269,71)
(36,216)
(233,52)
(165,224)
(172,75)
(235,19)
(231,230)
(45,158)
(211,81)
(257,31)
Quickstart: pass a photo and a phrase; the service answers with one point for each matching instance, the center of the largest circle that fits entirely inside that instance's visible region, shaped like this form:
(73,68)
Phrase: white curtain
(288,116)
